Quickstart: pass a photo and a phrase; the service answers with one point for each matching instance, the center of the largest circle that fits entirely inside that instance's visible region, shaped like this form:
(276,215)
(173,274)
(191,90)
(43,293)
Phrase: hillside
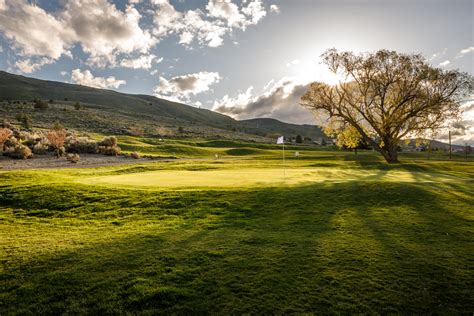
(276,126)
(107,110)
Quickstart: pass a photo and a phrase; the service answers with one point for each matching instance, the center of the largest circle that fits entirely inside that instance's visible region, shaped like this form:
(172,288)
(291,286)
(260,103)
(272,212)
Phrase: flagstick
(284,171)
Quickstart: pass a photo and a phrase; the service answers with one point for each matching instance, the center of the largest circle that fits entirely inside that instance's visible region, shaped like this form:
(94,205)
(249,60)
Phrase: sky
(243,58)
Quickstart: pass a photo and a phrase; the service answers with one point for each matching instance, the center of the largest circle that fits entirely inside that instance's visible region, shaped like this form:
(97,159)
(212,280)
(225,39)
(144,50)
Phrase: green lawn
(336,233)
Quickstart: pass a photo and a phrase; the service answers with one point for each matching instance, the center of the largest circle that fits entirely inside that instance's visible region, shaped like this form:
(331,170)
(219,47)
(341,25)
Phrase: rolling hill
(111,111)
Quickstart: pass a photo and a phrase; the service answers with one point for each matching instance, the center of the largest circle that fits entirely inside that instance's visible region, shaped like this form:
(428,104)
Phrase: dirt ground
(51,162)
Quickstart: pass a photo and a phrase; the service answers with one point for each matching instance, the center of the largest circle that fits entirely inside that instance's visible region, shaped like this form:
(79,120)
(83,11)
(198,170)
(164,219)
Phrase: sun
(314,70)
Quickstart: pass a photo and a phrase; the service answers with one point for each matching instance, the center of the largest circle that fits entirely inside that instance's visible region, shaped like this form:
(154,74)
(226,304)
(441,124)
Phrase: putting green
(247,177)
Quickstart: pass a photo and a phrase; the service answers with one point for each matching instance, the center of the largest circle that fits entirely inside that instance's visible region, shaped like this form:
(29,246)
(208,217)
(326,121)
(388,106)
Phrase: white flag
(280,140)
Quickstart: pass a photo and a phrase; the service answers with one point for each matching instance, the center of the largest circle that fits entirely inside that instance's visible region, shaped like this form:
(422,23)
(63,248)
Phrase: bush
(6,124)
(109,141)
(5,134)
(25,120)
(164,131)
(81,145)
(109,151)
(57,138)
(135,155)
(136,131)
(30,139)
(19,151)
(108,146)
(40,148)
(18,134)
(40,105)
(57,126)
(10,143)
(74,158)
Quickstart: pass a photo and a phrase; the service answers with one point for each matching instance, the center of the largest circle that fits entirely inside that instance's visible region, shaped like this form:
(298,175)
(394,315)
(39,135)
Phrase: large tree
(387,96)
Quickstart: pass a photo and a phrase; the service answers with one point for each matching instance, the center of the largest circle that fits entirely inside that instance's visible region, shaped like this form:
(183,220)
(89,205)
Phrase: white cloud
(293,62)
(279,100)
(241,101)
(465,51)
(274,9)
(205,32)
(444,63)
(28,66)
(438,54)
(206,28)
(181,88)
(186,38)
(142,62)
(189,26)
(227,11)
(104,31)
(86,78)
(462,132)
(255,11)
(33,31)
(111,36)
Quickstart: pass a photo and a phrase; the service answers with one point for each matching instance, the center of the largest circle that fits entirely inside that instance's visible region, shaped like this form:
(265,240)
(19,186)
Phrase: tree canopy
(387,96)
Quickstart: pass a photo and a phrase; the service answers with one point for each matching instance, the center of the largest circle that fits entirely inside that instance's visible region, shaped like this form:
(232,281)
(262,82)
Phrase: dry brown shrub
(5,134)
(56,138)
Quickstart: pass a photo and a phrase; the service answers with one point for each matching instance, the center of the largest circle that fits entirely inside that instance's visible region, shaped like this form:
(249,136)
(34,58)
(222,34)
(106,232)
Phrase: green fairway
(335,233)
(263,177)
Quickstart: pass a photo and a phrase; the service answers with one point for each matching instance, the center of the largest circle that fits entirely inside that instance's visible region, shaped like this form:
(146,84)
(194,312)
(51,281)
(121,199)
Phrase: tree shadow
(353,247)
(430,249)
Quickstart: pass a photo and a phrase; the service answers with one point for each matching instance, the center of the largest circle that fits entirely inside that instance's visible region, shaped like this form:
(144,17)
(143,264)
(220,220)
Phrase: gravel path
(51,162)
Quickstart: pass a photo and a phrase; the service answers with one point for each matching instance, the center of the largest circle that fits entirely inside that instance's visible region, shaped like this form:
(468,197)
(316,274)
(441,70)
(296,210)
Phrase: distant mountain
(113,111)
(433,144)
(256,125)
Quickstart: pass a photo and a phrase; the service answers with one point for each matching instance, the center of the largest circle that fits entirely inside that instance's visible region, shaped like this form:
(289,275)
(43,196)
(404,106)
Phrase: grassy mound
(242,151)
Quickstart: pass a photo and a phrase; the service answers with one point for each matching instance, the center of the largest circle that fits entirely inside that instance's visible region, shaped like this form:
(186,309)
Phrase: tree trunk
(389,151)
(391,154)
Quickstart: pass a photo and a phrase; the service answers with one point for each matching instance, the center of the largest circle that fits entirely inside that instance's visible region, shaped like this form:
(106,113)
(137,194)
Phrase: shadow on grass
(354,247)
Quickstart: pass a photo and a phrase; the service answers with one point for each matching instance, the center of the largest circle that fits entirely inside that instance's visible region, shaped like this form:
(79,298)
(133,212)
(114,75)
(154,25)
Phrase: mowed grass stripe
(256,177)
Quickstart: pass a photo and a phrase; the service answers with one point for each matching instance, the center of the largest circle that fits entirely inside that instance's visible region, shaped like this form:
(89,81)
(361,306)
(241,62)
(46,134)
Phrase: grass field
(336,233)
